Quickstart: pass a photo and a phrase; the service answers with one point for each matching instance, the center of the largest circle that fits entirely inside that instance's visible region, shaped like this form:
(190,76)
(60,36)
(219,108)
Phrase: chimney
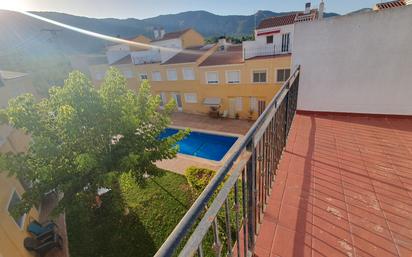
(156,33)
(307,8)
(162,33)
(222,43)
(321,9)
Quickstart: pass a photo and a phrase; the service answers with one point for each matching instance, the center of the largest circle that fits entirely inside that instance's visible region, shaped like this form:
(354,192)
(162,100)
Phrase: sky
(141,9)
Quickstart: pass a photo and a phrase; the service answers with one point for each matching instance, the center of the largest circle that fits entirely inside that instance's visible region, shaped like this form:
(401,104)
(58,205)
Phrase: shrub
(198,178)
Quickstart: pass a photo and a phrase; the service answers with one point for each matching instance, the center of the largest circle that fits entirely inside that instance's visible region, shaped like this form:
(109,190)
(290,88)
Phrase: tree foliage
(84,138)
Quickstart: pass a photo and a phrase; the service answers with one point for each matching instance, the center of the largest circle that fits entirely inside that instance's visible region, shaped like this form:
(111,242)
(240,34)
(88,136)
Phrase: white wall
(171,43)
(360,63)
(277,38)
(259,47)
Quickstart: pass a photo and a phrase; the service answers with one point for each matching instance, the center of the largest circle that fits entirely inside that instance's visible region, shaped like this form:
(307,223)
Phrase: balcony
(306,184)
(253,50)
(146,56)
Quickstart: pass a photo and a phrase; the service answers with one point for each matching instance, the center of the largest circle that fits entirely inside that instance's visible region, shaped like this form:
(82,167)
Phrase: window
(156,76)
(282,75)
(188,74)
(143,75)
(233,77)
(14,200)
(128,74)
(285,42)
(191,98)
(163,99)
(171,74)
(238,104)
(259,76)
(212,77)
(253,104)
(269,39)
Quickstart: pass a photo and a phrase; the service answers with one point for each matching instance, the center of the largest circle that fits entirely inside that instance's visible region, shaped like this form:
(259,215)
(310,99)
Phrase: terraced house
(222,79)
(17,232)
(12,229)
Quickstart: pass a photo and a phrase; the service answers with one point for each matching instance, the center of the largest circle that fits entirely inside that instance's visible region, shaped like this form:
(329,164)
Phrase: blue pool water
(204,145)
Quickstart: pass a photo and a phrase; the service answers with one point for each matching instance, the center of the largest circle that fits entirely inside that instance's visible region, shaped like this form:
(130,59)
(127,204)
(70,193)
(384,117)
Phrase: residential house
(13,230)
(391,4)
(234,80)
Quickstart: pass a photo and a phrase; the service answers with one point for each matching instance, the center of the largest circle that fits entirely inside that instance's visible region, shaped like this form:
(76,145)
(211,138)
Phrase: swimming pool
(204,145)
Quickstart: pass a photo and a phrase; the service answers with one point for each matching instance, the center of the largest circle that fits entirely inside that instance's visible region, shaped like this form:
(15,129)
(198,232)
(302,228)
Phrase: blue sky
(143,9)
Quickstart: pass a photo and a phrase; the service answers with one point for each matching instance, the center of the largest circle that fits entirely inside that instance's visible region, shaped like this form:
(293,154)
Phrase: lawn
(133,223)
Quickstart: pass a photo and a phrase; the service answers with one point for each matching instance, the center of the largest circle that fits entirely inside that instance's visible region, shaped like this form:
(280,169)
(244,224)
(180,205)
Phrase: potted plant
(251,112)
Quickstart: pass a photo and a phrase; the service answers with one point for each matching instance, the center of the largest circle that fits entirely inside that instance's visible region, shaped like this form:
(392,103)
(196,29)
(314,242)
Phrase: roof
(277,21)
(11,74)
(187,55)
(300,17)
(125,60)
(269,56)
(172,35)
(391,4)
(288,19)
(232,55)
(138,38)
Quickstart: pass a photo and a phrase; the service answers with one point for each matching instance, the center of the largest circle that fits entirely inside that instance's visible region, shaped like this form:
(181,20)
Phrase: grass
(134,222)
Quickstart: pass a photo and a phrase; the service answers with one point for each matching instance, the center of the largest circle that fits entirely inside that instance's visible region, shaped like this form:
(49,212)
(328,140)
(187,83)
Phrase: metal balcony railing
(250,52)
(225,218)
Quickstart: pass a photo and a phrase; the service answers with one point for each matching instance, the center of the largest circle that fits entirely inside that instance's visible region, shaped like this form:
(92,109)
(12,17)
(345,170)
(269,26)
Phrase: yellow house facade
(202,77)
(13,231)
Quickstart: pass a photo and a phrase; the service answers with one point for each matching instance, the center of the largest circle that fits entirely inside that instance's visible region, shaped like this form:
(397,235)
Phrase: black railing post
(286,112)
(252,194)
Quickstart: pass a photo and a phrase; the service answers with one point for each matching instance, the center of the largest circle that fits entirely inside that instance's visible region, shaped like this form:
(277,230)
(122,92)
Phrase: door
(232,107)
(178,99)
(285,42)
(261,106)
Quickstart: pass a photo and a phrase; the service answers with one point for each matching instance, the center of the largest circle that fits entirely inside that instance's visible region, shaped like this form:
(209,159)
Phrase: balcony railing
(231,207)
(250,52)
(146,56)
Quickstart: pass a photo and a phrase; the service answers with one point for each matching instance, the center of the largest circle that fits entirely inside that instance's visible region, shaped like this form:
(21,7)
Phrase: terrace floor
(343,188)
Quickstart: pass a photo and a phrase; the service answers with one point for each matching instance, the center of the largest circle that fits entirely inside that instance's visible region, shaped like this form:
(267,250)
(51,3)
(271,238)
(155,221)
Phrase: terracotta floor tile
(345,190)
(288,243)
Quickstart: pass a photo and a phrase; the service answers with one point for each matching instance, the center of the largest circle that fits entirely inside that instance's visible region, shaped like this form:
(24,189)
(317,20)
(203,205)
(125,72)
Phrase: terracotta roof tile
(391,4)
(277,21)
(190,55)
(232,55)
(172,35)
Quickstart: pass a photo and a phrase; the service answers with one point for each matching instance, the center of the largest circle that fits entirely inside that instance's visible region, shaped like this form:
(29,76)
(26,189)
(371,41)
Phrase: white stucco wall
(172,44)
(360,63)
(277,38)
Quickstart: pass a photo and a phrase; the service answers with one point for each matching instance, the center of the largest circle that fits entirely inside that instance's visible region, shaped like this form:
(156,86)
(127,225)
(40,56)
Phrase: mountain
(36,36)
(31,45)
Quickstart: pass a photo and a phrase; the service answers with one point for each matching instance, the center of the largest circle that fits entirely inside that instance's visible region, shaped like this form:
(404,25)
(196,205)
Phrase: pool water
(204,145)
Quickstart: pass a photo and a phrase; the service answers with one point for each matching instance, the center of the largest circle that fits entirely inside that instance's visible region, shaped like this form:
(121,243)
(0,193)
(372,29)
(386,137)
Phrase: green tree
(84,138)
